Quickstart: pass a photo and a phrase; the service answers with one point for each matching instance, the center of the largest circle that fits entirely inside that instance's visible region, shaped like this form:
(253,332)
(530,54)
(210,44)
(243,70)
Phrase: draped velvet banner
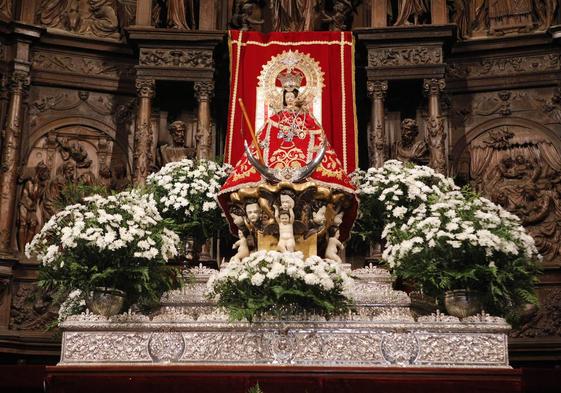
(329,86)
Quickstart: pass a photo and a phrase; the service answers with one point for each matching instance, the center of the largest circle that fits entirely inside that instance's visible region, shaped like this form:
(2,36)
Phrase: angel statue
(285,221)
(333,246)
(241,246)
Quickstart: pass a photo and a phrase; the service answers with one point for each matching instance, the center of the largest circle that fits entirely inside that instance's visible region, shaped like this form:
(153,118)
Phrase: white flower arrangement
(456,225)
(443,238)
(391,193)
(268,280)
(127,223)
(186,191)
(119,241)
(75,303)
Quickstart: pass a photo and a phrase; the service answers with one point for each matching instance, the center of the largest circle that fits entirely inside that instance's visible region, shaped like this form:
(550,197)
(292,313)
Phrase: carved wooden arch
(70,121)
(463,143)
(78,121)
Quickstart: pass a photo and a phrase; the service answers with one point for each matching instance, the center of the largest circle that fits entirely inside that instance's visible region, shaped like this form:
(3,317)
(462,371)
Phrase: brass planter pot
(462,303)
(105,301)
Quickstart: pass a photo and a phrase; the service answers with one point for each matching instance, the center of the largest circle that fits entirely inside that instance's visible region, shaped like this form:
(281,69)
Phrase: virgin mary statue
(294,149)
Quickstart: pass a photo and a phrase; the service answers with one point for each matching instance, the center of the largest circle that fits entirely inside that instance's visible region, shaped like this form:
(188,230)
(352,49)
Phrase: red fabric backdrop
(334,51)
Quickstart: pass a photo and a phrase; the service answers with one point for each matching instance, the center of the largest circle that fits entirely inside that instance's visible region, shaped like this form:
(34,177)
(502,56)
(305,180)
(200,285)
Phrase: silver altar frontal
(190,330)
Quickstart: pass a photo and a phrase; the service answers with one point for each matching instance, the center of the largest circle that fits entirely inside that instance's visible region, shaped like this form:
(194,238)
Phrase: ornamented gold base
(306,215)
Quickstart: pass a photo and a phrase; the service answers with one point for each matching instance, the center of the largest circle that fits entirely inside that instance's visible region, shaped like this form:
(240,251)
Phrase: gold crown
(290,80)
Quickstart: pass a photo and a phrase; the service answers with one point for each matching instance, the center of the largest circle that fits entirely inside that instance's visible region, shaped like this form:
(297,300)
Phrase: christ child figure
(285,220)
(333,247)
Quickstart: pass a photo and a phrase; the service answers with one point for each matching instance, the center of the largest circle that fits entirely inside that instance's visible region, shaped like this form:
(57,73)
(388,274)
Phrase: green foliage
(380,190)
(119,241)
(255,389)
(185,192)
(142,282)
(504,279)
(281,284)
(73,193)
(443,238)
(280,297)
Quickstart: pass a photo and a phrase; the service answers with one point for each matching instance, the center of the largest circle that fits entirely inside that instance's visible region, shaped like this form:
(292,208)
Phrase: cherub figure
(338,219)
(333,247)
(318,217)
(317,223)
(253,212)
(238,220)
(285,220)
(286,202)
(242,247)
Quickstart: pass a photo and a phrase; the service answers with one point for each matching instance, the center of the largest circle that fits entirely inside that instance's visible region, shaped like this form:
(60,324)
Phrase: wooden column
(438,12)
(376,140)
(436,137)
(144,12)
(379,13)
(142,156)
(17,85)
(207,15)
(204,92)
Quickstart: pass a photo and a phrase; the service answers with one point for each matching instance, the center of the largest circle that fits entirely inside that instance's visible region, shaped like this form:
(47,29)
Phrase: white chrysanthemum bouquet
(443,238)
(390,193)
(270,282)
(119,241)
(186,193)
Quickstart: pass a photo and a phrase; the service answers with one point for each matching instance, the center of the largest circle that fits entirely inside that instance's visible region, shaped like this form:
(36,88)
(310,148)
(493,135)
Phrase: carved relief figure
(411,12)
(341,17)
(479,16)
(31,309)
(74,151)
(65,174)
(546,12)
(31,197)
(293,15)
(177,151)
(436,138)
(6,9)
(510,15)
(174,14)
(105,21)
(461,17)
(497,17)
(51,13)
(521,171)
(90,17)
(408,149)
(243,17)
